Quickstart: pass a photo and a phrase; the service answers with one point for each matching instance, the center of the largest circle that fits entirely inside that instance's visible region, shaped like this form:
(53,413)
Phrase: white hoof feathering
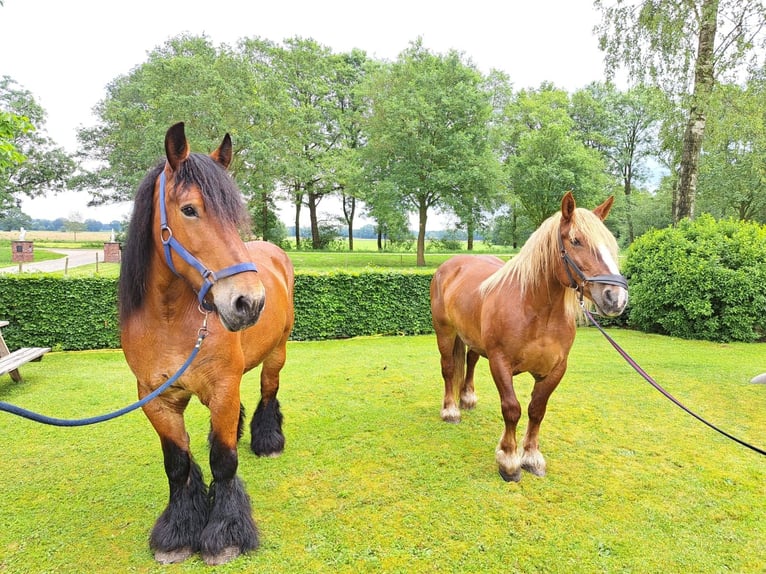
(509,465)
(468,400)
(533,462)
(451,414)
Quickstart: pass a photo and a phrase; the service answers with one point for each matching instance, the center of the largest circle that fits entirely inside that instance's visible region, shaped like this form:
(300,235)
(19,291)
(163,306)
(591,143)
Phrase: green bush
(81,313)
(61,313)
(705,279)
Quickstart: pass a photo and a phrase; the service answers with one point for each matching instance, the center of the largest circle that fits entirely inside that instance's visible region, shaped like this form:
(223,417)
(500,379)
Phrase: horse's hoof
(533,462)
(536,470)
(451,415)
(226,555)
(468,401)
(515,477)
(173,556)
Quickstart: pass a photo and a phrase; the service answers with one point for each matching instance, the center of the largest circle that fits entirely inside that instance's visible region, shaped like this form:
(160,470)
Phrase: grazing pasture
(372,480)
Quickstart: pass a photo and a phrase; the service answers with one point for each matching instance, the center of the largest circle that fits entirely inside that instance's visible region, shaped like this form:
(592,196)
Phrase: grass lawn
(372,481)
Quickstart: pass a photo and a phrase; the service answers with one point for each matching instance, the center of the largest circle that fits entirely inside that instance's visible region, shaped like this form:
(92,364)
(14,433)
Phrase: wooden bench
(10,362)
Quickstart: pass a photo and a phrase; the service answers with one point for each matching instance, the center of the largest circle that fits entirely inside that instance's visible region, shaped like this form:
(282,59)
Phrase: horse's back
(276,321)
(455,293)
(463,273)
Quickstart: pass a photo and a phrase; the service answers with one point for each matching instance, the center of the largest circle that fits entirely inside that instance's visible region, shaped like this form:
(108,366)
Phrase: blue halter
(171,244)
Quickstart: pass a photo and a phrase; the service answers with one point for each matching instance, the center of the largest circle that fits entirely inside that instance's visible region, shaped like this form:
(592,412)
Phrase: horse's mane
(540,254)
(223,200)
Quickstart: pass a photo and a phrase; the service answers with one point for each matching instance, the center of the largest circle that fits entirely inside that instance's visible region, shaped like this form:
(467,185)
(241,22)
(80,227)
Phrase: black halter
(209,277)
(570,265)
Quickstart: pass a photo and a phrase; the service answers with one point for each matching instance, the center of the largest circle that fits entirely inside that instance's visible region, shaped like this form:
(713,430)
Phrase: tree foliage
(685,48)
(733,166)
(545,157)
(428,133)
(30,163)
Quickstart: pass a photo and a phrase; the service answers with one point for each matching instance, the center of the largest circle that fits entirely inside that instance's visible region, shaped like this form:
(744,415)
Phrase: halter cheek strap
(171,244)
(570,265)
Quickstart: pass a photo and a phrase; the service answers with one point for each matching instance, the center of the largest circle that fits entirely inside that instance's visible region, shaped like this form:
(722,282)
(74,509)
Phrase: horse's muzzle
(241,311)
(611,300)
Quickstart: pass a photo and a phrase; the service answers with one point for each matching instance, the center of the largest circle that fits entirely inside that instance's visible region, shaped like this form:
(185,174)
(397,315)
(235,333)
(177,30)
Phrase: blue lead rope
(14,410)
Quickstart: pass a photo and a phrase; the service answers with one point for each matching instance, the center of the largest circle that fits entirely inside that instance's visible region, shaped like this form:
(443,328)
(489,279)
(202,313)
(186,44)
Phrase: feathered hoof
(451,415)
(510,477)
(173,556)
(226,555)
(534,463)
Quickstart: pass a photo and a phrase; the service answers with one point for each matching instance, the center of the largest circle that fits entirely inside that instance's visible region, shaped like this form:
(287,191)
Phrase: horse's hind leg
(176,534)
(266,437)
(467,391)
(452,350)
(230,530)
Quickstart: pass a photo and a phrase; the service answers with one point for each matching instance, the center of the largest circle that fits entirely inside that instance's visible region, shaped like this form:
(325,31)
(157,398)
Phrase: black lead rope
(657,386)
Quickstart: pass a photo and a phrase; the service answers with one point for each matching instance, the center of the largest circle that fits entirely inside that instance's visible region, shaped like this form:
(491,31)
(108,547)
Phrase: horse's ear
(176,146)
(567,206)
(223,154)
(603,210)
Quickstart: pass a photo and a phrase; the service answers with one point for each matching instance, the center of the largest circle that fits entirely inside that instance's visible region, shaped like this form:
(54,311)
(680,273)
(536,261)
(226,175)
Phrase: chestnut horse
(187,211)
(521,316)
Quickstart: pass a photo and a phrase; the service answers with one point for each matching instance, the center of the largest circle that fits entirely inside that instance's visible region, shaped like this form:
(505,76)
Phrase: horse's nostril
(249,306)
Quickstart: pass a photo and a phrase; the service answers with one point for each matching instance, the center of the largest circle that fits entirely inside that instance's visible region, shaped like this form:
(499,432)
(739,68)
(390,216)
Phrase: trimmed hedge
(705,279)
(81,313)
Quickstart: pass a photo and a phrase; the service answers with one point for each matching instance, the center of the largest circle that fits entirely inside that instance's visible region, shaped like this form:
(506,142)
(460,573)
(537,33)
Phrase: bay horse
(187,211)
(521,316)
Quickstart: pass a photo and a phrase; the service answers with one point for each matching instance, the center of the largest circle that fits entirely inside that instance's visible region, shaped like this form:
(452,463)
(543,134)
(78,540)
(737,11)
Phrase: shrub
(705,279)
(81,313)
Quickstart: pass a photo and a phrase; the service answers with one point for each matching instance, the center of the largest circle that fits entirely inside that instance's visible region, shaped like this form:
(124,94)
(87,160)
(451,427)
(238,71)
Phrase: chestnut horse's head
(589,256)
(188,213)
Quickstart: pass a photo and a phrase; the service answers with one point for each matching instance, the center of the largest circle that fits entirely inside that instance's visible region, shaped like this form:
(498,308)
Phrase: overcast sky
(65,52)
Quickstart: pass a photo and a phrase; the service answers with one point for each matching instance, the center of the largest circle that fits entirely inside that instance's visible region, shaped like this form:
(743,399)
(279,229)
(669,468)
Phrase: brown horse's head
(589,256)
(197,217)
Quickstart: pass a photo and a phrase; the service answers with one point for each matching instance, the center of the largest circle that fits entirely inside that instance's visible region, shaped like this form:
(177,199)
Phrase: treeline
(15,220)
(428,133)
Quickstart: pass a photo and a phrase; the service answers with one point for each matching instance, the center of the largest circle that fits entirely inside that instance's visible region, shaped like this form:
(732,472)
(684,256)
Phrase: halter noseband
(171,244)
(570,265)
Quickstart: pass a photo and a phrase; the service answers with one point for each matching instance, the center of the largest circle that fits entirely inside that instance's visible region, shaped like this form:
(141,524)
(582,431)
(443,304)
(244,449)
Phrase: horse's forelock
(222,196)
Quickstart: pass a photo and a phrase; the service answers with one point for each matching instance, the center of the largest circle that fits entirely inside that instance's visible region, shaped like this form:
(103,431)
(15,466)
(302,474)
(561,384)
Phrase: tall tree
(684,47)
(544,155)
(344,165)
(33,164)
(311,124)
(733,166)
(186,79)
(624,127)
(428,132)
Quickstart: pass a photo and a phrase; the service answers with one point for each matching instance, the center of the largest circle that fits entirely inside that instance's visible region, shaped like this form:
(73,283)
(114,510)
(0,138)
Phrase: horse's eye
(575,242)
(189,211)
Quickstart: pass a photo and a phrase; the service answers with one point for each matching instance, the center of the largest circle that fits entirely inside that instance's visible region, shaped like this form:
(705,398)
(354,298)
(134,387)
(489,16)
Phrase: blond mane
(540,254)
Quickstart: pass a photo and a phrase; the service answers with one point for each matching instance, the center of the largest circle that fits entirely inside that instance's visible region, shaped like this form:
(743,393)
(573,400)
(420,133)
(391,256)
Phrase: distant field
(59,236)
(364,256)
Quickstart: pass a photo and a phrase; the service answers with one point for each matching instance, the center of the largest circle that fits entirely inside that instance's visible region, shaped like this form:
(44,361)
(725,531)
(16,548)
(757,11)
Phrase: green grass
(372,481)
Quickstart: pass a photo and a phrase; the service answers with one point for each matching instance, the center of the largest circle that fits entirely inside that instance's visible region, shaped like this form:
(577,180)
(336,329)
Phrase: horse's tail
(458,358)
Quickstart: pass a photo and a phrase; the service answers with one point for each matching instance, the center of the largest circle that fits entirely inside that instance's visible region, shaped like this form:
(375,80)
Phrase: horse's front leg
(532,459)
(266,437)
(176,534)
(506,455)
(230,530)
